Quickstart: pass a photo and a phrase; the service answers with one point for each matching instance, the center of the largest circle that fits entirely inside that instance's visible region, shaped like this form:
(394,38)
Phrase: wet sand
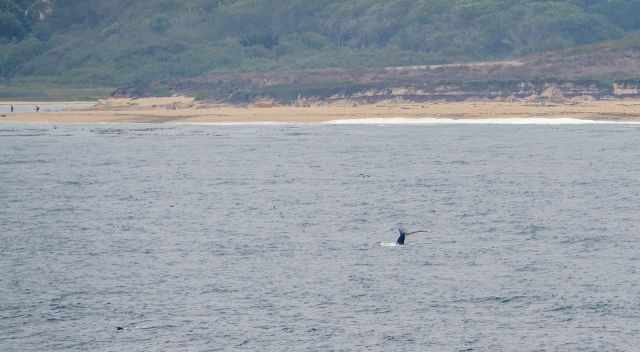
(185,109)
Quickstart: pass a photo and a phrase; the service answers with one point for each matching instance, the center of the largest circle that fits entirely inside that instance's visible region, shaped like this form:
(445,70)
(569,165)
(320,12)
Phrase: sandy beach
(185,109)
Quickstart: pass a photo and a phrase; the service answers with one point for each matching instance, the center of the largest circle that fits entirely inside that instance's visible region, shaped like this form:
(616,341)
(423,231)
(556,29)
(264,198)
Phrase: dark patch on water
(23,162)
(24,135)
(109,131)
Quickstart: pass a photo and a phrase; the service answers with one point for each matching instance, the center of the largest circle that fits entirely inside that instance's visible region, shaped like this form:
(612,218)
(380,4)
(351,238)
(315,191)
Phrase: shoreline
(187,110)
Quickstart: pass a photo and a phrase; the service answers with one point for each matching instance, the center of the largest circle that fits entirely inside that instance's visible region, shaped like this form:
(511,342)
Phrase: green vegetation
(131,42)
(38,90)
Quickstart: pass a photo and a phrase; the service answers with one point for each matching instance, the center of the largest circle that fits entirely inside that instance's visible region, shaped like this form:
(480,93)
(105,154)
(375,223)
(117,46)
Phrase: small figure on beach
(37,108)
(11,107)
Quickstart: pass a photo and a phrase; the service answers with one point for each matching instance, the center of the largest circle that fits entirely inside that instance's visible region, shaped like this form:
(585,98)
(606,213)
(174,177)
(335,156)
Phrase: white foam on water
(255,123)
(389,244)
(367,121)
(497,121)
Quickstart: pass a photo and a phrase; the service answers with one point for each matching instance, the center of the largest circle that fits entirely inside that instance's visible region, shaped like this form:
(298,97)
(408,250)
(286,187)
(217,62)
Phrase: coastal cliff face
(592,74)
(240,92)
(497,91)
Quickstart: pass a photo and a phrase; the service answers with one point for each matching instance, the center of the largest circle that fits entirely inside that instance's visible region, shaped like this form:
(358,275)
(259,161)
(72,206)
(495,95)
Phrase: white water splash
(389,244)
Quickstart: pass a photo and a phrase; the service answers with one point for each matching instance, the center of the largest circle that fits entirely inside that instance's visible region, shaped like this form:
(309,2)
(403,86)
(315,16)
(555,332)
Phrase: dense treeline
(126,41)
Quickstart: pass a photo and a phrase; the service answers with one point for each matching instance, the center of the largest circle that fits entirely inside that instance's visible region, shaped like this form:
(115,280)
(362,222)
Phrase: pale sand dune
(185,109)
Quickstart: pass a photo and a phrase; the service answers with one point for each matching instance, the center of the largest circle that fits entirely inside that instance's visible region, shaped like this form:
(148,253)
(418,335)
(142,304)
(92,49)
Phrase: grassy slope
(35,89)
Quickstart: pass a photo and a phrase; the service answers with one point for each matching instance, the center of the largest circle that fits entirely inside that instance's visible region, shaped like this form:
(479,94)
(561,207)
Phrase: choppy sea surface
(266,238)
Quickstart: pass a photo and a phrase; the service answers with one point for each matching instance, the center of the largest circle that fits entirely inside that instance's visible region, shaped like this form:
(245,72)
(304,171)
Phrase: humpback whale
(404,234)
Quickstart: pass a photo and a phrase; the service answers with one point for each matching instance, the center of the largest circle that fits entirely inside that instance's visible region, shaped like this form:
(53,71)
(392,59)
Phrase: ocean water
(266,238)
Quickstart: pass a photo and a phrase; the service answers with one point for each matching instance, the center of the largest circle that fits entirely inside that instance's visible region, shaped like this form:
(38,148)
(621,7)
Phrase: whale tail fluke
(404,234)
